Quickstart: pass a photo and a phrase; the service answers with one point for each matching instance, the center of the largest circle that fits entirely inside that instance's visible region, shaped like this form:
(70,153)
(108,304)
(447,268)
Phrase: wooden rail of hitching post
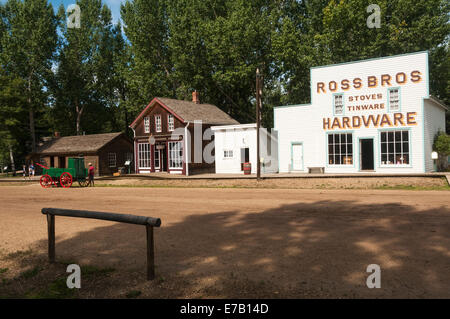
(148,222)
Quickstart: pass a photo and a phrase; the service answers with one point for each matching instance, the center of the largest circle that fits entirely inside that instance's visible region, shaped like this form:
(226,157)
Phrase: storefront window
(175,155)
(144,155)
(395,148)
(340,149)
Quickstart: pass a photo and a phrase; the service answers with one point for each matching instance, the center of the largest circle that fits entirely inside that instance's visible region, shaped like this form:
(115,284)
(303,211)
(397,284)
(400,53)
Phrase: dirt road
(236,242)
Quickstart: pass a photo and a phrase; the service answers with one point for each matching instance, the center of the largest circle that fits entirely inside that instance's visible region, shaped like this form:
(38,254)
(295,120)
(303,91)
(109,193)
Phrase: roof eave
(150,105)
(438,102)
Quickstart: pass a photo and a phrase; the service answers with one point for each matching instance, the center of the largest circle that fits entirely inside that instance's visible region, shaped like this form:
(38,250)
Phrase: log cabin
(108,152)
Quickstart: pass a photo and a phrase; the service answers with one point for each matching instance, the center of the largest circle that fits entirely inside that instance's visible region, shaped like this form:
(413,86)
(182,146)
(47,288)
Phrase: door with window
(297,156)
(175,155)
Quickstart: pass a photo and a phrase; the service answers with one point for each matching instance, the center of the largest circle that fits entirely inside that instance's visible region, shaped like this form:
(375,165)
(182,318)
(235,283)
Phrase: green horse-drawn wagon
(64,177)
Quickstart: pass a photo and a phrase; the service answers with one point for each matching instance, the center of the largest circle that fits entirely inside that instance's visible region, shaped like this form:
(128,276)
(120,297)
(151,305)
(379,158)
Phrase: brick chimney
(196,97)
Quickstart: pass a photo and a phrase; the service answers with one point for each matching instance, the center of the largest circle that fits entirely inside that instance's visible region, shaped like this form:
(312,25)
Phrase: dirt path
(239,242)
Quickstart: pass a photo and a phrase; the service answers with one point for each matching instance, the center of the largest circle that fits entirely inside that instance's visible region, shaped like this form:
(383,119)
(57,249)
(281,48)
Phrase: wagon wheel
(65,180)
(83,182)
(46,181)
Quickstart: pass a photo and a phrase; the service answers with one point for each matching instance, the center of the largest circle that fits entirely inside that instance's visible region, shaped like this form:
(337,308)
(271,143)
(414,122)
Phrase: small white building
(236,145)
(373,115)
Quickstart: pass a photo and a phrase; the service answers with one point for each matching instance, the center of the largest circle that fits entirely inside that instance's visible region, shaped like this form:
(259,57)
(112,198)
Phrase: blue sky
(114,5)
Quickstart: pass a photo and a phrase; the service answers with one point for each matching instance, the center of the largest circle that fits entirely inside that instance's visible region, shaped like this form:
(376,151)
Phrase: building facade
(236,145)
(171,136)
(367,116)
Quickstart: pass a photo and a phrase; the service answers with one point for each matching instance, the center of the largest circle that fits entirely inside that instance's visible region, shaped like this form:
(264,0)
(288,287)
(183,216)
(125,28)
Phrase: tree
(120,90)
(237,43)
(145,26)
(28,47)
(442,147)
(13,108)
(85,69)
(328,32)
(210,46)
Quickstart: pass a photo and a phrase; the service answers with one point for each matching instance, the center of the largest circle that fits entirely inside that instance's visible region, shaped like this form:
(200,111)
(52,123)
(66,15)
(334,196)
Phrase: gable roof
(187,111)
(77,144)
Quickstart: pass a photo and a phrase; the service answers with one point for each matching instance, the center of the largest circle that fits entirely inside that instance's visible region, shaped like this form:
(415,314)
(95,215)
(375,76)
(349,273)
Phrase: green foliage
(57,289)
(97,78)
(327,32)
(28,46)
(28,274)
(442,144)
(13,132)
(85,68)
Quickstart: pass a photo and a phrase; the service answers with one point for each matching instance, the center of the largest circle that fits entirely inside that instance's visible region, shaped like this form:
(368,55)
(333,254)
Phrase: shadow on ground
(304,250)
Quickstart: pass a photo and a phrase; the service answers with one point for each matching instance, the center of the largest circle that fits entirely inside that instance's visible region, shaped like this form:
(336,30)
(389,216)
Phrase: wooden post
(149,223)
(258,121)
(150,253)
(51,237)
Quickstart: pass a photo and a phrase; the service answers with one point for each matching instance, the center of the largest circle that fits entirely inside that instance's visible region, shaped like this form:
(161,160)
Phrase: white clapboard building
(236,145)
(373,115)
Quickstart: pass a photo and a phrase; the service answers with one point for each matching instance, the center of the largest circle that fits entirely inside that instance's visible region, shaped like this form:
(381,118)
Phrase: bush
(442,147)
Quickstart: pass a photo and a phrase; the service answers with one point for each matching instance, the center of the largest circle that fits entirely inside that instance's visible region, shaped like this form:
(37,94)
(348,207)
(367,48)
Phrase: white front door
(297,157)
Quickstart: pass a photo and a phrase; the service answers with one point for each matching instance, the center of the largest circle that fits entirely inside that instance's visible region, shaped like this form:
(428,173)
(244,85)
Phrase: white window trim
(391,90)
(158,128)
(393,165)
(340,154)
(228,152)
(139,160)
(110,159)
(171,123)
(334,104)
(146,124)
(170,154)
(155,156)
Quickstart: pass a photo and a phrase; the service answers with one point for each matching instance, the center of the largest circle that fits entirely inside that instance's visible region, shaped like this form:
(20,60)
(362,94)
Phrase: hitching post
(51,237)
(150,253)
(149,223)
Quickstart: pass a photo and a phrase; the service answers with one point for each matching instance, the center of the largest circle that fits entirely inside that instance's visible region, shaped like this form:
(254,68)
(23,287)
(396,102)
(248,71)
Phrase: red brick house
(164,135)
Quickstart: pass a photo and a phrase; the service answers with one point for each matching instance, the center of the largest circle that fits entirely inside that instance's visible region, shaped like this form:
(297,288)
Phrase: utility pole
(258,121)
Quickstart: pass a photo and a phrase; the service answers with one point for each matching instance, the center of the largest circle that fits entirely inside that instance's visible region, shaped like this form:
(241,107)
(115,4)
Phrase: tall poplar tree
(84,69)
(28,47)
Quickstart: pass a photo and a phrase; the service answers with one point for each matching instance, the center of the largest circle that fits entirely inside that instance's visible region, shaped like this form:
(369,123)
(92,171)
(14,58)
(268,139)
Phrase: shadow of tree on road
(302,250)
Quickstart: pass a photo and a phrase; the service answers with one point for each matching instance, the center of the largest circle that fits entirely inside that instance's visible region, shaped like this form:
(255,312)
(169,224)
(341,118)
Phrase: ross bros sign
(371,81)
